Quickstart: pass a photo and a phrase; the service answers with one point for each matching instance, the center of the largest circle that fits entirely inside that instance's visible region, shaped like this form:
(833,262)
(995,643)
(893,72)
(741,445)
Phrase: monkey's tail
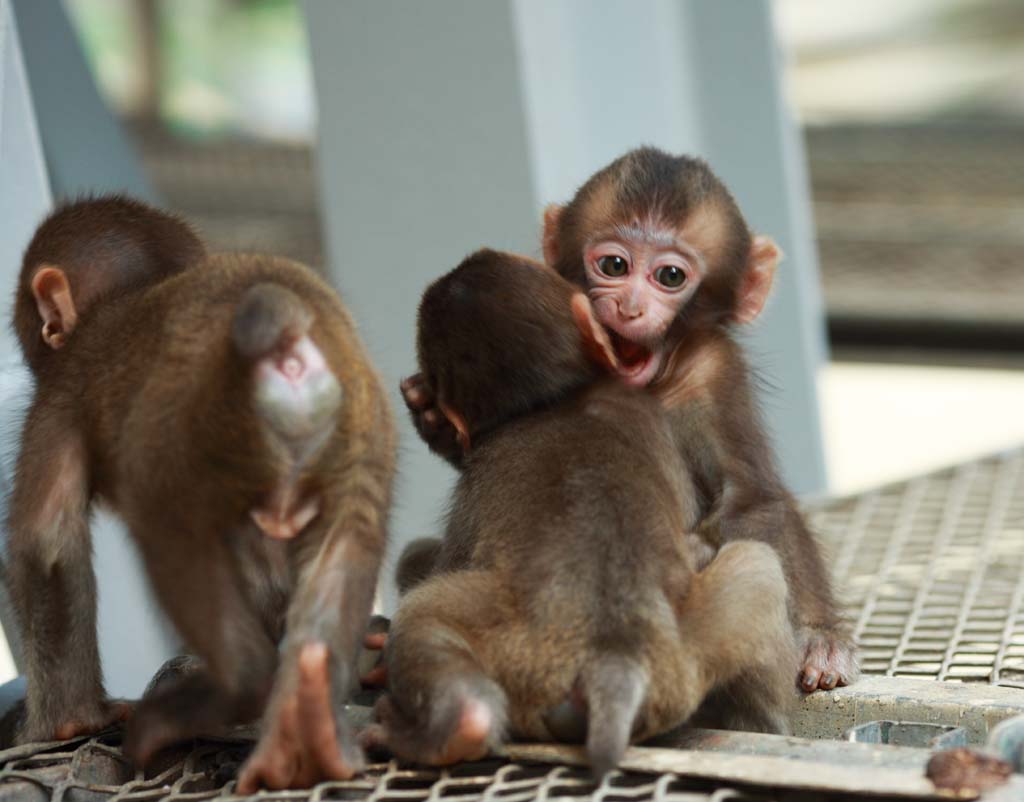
(268,317)
(614,686)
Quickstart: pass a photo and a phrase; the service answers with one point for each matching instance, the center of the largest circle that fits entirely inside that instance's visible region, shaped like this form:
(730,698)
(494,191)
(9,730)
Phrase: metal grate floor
(933,574)
(94,769)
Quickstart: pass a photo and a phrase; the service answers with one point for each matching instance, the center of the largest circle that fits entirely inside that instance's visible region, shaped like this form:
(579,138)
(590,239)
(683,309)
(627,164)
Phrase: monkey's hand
(372,671)
(303,742)
(432,427)
(829,659)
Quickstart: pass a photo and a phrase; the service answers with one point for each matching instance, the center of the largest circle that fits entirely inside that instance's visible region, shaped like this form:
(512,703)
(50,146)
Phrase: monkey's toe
(829,662)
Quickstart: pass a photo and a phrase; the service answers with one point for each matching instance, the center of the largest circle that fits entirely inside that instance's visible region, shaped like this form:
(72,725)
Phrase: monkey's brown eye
(613,266)
(670,276)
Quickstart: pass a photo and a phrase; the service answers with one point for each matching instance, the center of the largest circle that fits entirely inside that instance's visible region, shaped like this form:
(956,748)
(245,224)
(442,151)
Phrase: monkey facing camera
(223,406)
(661,250)
(565,600)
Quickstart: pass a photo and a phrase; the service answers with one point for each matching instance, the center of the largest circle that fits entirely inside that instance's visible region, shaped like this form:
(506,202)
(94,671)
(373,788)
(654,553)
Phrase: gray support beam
(86,150)
(448,125)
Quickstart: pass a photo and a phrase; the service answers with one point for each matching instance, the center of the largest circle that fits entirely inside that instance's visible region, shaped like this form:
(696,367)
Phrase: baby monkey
(565,601)
(662,251)
(223,406)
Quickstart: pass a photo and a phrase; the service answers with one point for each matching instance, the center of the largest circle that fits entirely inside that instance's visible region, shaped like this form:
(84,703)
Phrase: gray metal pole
(447,125)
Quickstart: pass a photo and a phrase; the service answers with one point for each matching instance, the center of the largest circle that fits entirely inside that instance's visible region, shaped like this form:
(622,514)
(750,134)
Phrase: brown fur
(150,406)
(565,571)
(706,381)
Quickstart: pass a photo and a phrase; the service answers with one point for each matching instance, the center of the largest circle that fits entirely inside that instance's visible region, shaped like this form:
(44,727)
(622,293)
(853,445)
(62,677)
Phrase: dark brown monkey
(224,407)
(565,596)
(670,266)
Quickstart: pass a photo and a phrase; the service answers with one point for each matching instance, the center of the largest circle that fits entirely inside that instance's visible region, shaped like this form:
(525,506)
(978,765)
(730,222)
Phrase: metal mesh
(95,769)
(933,572)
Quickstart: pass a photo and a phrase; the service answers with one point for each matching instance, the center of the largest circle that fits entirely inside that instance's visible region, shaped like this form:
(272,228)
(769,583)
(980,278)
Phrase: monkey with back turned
(565,598)
(661,249)
(223,406)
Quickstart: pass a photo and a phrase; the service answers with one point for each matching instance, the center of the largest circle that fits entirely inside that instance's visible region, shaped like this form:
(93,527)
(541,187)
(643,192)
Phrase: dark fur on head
(649,183)
(105,245)
(494,349)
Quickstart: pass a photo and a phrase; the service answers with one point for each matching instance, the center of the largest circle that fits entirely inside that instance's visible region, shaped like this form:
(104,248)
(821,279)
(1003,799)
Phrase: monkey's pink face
(638,281)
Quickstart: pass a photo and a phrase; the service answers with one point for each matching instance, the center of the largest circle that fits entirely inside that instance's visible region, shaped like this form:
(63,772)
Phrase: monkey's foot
(301,743)
(16,729)
(110,712)
(828,660)
(462,727)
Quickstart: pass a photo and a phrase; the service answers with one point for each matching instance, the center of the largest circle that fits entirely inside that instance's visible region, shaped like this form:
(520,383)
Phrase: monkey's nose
(630,311)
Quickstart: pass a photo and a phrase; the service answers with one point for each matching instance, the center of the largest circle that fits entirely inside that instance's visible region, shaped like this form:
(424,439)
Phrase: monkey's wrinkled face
(639,277)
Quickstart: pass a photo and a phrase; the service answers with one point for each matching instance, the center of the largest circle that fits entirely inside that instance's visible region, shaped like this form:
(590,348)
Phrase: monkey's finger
(376,677)
(316,719)
(375,640)
(416,393)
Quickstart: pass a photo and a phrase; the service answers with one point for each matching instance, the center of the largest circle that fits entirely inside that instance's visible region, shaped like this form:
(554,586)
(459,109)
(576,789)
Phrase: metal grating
(94,769)
(933,572)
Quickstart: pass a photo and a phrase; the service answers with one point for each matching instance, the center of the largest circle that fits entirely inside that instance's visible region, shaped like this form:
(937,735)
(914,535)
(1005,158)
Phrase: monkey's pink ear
(549,238)
(56,307)
(595,338)
(756,283)
(459,423)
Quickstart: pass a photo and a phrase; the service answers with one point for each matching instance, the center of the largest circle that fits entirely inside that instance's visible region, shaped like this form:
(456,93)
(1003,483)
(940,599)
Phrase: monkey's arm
(432,427)
(337,561)
(751,511)
(52,584)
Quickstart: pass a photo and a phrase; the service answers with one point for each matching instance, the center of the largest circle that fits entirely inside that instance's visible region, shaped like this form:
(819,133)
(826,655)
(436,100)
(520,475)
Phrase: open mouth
(637,363)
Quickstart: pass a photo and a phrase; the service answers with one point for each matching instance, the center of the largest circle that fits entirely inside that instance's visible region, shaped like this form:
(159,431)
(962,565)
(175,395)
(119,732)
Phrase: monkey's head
(88,250)
(662,250)
(501,335)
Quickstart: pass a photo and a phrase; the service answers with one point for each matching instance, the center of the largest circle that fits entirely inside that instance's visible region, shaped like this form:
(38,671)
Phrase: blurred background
(913,120)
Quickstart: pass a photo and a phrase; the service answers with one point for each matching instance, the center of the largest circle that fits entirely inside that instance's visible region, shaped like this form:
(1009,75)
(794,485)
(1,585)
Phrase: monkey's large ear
(764,257)
(56,307)
(595,338)
(459,423)
(549,238)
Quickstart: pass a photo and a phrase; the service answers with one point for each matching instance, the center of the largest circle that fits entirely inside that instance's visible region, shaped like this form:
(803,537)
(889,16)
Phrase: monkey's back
(172,414)
(585,507)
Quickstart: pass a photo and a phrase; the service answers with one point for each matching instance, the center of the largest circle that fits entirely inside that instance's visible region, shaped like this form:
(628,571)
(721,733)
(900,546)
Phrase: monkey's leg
(829,653)
(203,598)
(443,706)
(52,584)
(736,620)
(337,560)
